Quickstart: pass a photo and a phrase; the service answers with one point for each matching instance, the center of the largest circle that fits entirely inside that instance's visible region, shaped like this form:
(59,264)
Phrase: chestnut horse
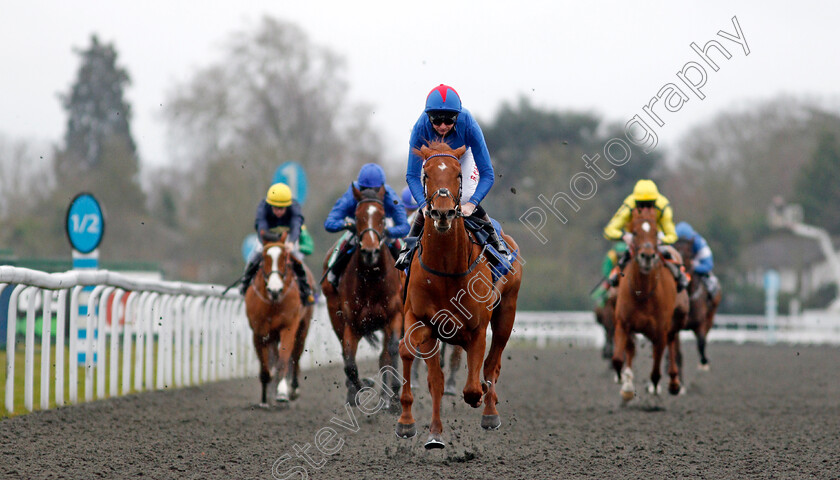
(702,307)
(450,297)
(279,321)
(647,303)
(368,298)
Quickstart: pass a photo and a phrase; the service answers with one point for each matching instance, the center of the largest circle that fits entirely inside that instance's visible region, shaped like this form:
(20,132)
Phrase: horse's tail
(372,339)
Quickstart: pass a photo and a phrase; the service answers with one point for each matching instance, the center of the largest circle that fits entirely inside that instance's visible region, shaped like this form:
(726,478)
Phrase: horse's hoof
(406,431)
(654,390)
(451,390)
(264,405)
(434,441)
(282,398)
(295,394)
(674,388)
(627,395)
(367,382)
(491,422)
(703,367)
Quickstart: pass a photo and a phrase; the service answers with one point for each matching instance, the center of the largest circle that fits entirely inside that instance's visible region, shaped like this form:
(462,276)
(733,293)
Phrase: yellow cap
(645,190)
(279,195)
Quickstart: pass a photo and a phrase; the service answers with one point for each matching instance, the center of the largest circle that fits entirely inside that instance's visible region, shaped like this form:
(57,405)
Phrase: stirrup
(404,261)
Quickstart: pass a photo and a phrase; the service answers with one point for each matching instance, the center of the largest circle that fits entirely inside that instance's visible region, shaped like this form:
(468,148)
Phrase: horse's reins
(444,192)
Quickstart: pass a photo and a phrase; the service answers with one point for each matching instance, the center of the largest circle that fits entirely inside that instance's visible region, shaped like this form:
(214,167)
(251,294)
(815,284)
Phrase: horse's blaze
(275,282)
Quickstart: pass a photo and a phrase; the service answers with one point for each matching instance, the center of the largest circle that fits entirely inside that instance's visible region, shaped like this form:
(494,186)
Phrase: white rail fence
(580,328)
(160,334)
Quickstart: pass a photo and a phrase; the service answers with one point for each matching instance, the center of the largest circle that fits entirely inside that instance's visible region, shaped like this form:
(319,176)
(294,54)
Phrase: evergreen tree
(816,186)
(96,108)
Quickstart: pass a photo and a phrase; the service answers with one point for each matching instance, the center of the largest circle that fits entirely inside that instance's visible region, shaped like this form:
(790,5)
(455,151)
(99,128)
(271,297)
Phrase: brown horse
(279,321)
(647,303)
(702,307)
(368,298)
(605,316)
(450,297)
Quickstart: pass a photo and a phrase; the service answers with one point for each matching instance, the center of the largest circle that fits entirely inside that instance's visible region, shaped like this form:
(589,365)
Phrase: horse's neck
(641,282)
(450,249)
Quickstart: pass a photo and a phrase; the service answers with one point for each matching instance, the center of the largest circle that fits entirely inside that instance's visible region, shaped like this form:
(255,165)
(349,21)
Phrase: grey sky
(610,57)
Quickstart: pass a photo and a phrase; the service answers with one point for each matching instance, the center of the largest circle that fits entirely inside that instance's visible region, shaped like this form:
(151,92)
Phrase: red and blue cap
(443,98)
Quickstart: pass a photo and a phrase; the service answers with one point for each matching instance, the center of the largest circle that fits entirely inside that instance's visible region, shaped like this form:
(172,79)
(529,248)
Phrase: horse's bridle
(379,236)
(443,192)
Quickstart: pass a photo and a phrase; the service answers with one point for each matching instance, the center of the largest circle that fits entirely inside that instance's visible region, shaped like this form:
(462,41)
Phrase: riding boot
(494,237)
(396,247)
(616,272)
(679,275)
(250,271)
(404,258)
(303,283)
(337,268)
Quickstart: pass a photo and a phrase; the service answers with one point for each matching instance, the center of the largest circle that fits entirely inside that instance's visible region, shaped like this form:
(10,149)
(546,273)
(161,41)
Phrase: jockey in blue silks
(342,217)
(701,258)
(444,119)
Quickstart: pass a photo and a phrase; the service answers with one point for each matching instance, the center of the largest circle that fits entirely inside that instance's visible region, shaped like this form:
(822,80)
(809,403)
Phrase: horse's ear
(381,192)
(356,193)
(423,151)
(459,152)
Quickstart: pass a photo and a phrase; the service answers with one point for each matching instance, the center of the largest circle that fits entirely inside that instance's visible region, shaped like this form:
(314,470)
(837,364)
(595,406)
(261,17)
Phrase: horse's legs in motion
(300,340)
(656,371)
(287,346)
(674,363)
(436,391)
(351,370)
(625,345)
(265,375)
(474,389)
(389,358)
(451,387)
(502,325)
(416,340)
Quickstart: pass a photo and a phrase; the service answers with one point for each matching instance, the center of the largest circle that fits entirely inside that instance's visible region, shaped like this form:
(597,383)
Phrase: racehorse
(702,307)
(451,297)
(279,321)
(368,297)
(605,316)
(647,303)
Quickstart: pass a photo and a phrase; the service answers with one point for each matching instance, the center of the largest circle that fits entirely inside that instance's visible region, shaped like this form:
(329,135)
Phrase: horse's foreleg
(351,369)
(300,342)
(436,391)
(502,323)
(390,384)
(656,371)
(265,375)
(416,335)
(675,363)
(619,347)
(287,345)
(474,389)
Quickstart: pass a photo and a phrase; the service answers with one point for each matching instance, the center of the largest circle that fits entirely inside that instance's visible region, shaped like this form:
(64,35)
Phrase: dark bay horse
(605,316)
(702,306)
(279,321)
(368,297)
(647,303)
(451,297)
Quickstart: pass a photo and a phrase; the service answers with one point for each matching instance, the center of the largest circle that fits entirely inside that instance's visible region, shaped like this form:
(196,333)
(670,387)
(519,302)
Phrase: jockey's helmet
(371,176)
(279,195)
(443,98)
(645,190)
(684,231)
(408,199)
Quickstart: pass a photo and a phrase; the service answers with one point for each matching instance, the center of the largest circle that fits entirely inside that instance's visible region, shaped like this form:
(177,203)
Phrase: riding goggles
(443,118)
